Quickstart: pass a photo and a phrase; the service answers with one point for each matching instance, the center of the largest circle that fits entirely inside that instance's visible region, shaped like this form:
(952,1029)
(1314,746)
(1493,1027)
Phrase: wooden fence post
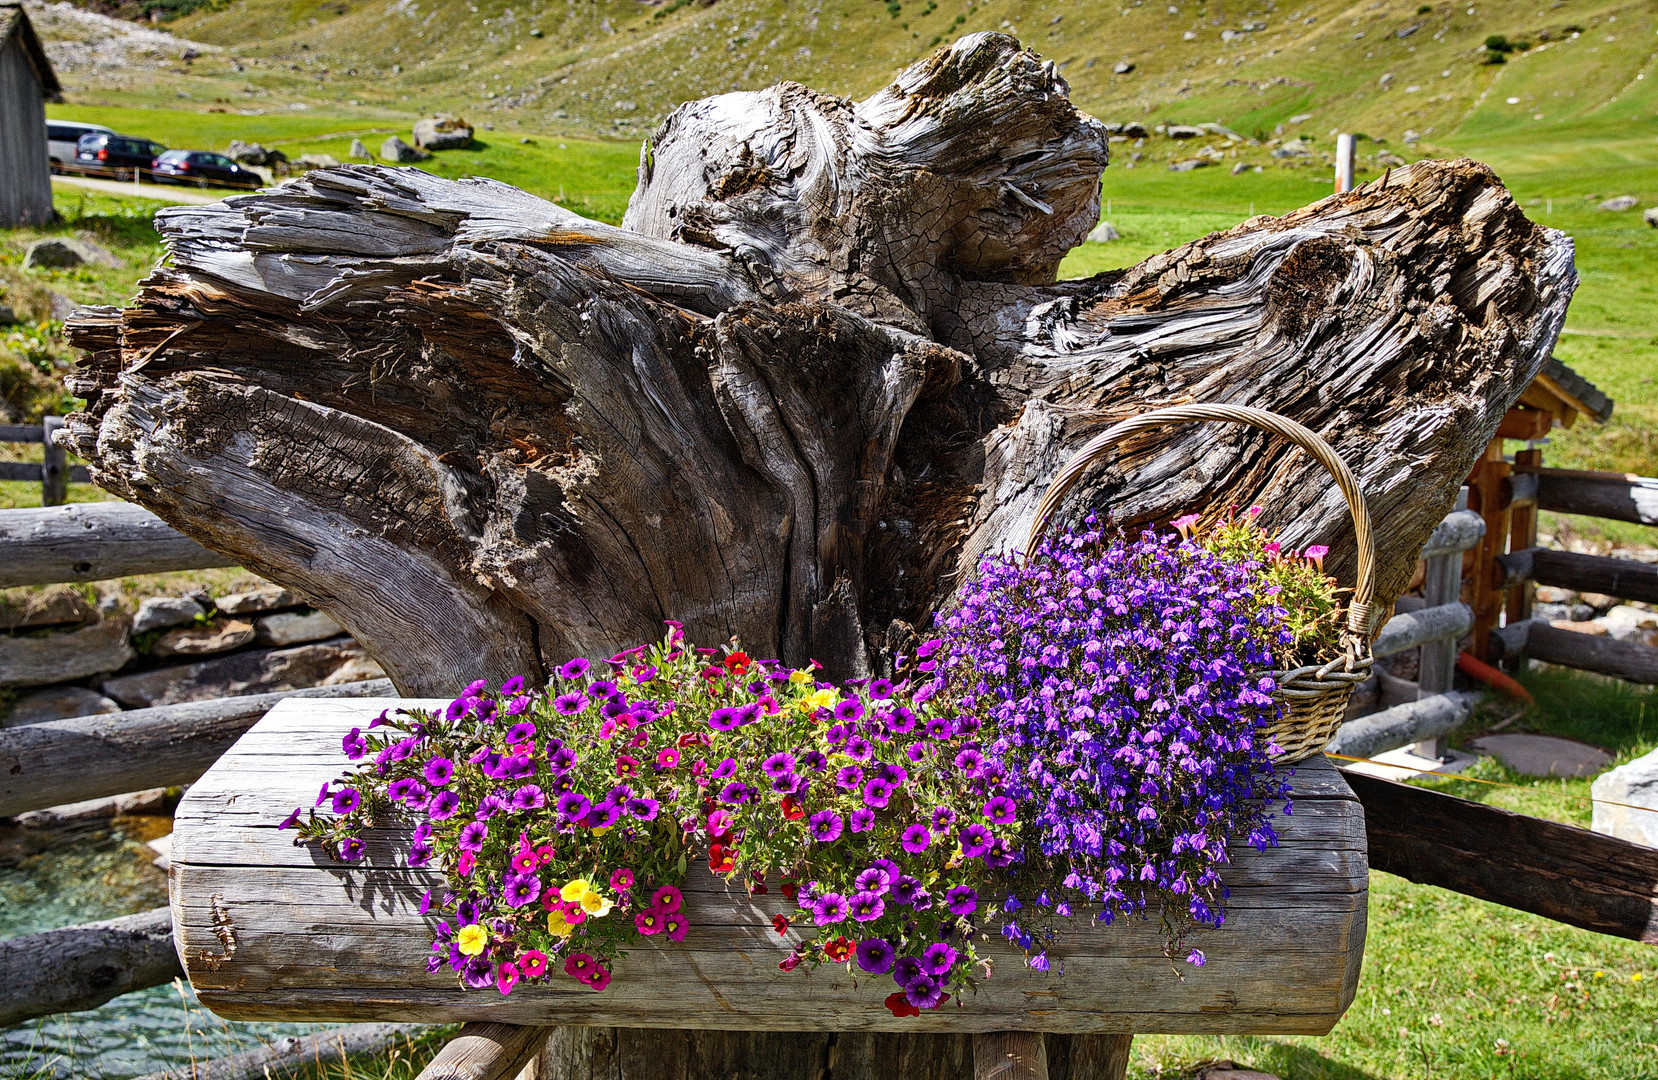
(1437,669)
(1344,163)
(54,475)
(1522,531)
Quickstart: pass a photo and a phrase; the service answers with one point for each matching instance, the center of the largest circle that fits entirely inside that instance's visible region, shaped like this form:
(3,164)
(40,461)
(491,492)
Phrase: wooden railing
(54,474)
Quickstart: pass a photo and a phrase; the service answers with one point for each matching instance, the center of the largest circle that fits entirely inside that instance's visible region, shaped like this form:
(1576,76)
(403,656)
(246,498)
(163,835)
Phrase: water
(82,872)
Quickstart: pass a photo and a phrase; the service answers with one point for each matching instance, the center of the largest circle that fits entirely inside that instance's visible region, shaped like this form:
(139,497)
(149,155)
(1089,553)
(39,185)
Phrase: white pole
(1344,163)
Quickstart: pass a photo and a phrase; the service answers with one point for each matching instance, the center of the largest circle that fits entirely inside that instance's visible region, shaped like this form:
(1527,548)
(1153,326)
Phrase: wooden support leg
(1097,1057)
(1010,1055)
(487,1052)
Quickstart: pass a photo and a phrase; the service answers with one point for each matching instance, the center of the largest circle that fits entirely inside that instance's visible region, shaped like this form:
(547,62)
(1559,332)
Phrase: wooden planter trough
(271,931)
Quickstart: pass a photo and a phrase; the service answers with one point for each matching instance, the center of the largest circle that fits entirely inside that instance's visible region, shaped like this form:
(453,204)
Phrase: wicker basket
(1314,698)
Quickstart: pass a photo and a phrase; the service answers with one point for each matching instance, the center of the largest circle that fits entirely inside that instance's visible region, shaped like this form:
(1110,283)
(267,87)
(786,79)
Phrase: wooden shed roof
(15,21)
(1563,394)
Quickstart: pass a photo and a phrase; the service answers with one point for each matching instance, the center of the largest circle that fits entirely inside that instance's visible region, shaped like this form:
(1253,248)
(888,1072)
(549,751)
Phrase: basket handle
(1359,611)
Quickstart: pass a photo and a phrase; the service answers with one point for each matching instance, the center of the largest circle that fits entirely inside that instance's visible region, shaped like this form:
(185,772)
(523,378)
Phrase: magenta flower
(862,820)
(571,703)
(915,839)
(444,806)
(675,925)
(849,710)
(825,826)
(866,906)
(667,759)
(518,705)
(718,822)
(726,768)
(961,900)
(472,836)
(522,732)
(439,771)
(528,797)
(876,880)
(975,840)
(346,800)
(780,764)
(572,806)
(574,669)
(621,880)
(875,956)
(667,898)
(723,719)
(1001,810)
(354,745)
(830,908)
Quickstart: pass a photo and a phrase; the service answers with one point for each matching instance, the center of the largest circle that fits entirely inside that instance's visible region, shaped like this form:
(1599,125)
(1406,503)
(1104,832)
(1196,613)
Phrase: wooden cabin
(27,83)
(1506,492)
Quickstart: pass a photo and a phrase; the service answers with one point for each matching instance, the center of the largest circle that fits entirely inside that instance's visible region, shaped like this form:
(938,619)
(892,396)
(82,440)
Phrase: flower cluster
(564,820)
(1121,678)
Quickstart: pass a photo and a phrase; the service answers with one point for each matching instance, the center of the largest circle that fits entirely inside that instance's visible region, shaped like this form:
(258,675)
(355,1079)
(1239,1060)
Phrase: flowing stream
(82,872)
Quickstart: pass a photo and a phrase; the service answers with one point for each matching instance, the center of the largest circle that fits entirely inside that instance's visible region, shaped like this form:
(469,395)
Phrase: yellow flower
(602,829)
(472,939)
(556,924)
(575,890)
(596,905)
(800,676)
(822,699)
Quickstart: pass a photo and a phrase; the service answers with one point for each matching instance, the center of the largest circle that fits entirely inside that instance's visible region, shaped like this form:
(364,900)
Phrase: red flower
(898,1005)
(780,923)
(792,961)
(626,766)
(721,860)
(737,663)
(790,890)
(758,886)
(838,949)
(791,809)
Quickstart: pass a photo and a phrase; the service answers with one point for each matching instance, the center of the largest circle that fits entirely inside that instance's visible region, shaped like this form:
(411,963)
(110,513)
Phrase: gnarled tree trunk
(822,368)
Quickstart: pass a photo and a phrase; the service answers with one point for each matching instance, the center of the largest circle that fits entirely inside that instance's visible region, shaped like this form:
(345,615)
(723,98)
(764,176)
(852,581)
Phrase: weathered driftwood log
(1538,640)
(1560,872)
(298,1055)
(1619,496)
(81,967)
(1412,722)
(1623,578)
(89,757)
(1409,629)
(272,931)
(822,368)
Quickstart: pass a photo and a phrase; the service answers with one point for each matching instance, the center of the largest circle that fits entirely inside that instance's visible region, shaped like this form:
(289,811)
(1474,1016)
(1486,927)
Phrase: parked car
(120,156)
(62,137)
(202,167)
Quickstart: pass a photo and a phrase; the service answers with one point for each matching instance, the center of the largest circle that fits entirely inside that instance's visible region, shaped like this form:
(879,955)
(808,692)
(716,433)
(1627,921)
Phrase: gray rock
(395,149)
(58,605)
(1544,755)
(1134,129)
(358,150)
(1620,203)
(1122,67)
(1221,130)
(1293,148)
(40,661)
(1184,131)
(1240,168)
(294,628)
(443,133)
(59,703)
(1103,233)
(316,161)
(1412,137)
(220,635)
(8,317)
(63,308)
(1189,164)
(1637,784)
(161,612)
(1390,159)
(1301,118)
(52,253)
(244,153)
(258,671)
(269,598)
(1650,216)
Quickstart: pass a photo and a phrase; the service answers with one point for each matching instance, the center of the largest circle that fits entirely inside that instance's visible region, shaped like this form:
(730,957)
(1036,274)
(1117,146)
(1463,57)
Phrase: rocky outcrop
(40,661)
(1635,785)
(59,703)
(442,133)
(257,672)
(397,151)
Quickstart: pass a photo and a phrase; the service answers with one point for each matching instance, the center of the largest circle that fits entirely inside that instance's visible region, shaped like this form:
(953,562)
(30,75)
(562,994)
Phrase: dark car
(202,168)
(120,156)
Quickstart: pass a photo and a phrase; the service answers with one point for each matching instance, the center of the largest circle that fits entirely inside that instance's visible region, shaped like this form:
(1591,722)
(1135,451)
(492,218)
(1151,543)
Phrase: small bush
(1494,58)
(1498,43)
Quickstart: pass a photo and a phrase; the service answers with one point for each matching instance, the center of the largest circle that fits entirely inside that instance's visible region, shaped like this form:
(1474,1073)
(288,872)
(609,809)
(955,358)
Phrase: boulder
(244,153)
(1637,785)
(268,598)
(59,605)
(1240,168)
(1184,131)
(1293,148)
(396,150)
(1103,233)
(358,150)
(1390,159)
(53,253)
(40,661)
(442,133)
(8,317)
(220,635)
(1189,164)
(59,703)
(1620,203)
(258,671)
(161,612)
(1122,67)
(1134,129)
(1220,129)
(1625,623)
(63,308)
(295,628)
(315,161)
(1650,216)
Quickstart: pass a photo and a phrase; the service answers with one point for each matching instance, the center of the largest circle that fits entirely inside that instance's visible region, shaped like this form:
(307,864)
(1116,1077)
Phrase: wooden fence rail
(1617,496)
(81,967)
(53,473)
(1623,578)
(93,542)
(91,757)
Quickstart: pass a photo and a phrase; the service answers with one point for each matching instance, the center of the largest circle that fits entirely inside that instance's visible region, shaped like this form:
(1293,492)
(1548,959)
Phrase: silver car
(62,137)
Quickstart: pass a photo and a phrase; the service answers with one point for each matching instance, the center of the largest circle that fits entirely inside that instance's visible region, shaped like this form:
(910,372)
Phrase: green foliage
(1498,43)
(1297,582)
